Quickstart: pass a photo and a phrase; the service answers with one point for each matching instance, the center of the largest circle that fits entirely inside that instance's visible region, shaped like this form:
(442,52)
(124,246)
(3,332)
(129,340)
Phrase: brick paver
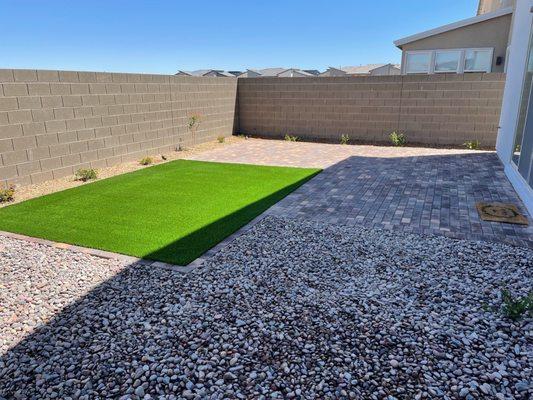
(420,190)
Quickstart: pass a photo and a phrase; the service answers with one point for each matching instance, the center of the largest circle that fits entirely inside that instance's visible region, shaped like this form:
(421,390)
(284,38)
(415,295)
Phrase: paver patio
(418,190)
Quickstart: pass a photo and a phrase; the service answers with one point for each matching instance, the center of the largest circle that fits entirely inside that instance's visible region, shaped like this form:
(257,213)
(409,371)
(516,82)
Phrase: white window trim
(429,52)
(461,58)
(460,67)
(489,49)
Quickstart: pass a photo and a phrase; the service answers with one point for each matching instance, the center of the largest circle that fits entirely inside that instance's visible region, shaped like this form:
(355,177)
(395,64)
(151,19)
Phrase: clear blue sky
(164,36)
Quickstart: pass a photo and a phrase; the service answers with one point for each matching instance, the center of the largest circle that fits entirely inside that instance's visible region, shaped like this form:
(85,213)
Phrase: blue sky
(164,36)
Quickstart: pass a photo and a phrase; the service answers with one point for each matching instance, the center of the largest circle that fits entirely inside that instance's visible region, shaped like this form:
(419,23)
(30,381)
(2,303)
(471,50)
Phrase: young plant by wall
(398,139)
(146,161)
(345,139)
(7,195)
(290,138)
(472,144)
(193,124)
(85,175)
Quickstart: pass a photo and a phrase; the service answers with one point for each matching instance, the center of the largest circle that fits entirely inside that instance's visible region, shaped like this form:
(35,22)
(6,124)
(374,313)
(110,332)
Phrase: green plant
(221,139)
(193,123)
(7,194)
(194,120)
(472,144)
(345,139)
(515,308)
(290,138)
(398,139)
(85,175)
(146,161)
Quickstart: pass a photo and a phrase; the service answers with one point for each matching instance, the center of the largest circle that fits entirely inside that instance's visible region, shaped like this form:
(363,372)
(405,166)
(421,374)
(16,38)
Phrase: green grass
(171,212)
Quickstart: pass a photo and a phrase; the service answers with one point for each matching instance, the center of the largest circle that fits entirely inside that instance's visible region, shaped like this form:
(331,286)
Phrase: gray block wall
(54,122)
(446,109)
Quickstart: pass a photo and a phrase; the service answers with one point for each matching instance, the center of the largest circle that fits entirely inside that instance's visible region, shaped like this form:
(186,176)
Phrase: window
(447,61)
(478,60)
(418,62)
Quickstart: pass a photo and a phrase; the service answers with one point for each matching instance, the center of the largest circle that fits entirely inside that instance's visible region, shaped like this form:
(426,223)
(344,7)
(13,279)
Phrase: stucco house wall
(490,33)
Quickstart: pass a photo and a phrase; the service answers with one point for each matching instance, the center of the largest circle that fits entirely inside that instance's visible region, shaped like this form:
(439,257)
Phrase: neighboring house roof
(314,72)
(200,72)
(278,71)
(455,25)
(206,72)
(333,70)
(296,71)
(270,71)
(365,69)
(249,73)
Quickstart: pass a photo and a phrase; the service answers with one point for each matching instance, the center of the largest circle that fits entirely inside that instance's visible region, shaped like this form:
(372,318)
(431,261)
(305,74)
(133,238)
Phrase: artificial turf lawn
(171,212)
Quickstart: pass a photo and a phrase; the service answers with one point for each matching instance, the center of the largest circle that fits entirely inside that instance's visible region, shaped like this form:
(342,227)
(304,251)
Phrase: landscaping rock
(290,309)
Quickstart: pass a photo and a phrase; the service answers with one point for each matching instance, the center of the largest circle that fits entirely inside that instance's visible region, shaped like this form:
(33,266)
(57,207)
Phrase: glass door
(523,143)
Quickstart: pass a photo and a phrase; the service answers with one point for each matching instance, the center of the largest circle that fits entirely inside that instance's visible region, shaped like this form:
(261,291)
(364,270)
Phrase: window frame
(490,50)
(430,62)
(461,58)
(460,66)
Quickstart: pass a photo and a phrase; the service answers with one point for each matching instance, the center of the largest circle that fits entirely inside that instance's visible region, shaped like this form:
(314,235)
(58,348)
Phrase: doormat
(501,212)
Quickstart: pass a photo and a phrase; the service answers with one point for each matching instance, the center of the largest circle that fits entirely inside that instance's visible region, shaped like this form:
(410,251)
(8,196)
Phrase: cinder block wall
(54,122)
(429,109)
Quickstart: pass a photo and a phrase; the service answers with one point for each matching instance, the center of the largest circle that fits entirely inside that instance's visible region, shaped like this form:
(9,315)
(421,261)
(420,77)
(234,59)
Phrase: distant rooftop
(284,72)
(365,69)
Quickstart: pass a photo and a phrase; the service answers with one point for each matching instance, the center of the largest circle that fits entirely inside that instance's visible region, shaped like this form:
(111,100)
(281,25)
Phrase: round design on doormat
(499,211)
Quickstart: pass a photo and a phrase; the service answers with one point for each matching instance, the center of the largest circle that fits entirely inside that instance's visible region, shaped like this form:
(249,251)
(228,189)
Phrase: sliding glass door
(523,144)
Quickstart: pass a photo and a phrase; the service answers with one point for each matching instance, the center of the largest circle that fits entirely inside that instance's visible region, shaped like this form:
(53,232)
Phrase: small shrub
(515,308)
(398,139)
(7,194)
(345,139)
(221,139)
(290,138)
(85,175)
(194,120)
(242,136)
(472,144)
(146,161)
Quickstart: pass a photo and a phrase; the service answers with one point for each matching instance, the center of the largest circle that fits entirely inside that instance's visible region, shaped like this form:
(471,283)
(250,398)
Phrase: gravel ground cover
(290,309)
